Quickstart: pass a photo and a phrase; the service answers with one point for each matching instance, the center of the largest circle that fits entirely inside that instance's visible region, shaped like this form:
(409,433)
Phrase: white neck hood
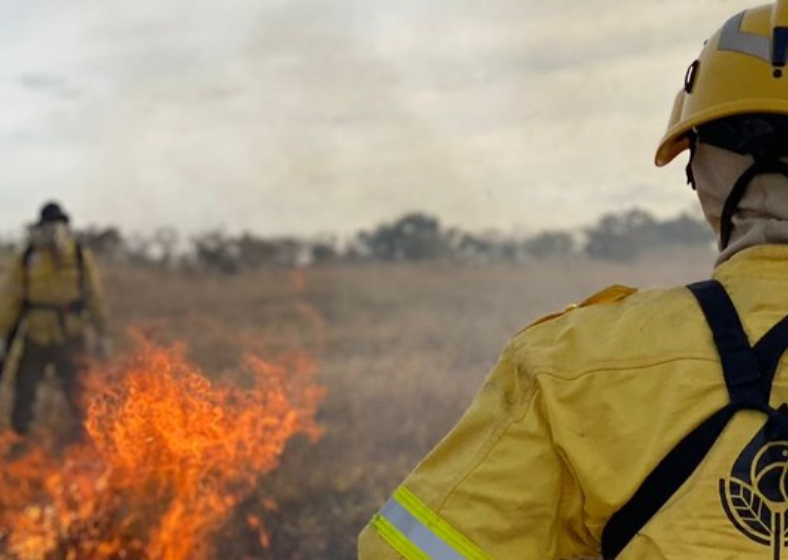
(762,215)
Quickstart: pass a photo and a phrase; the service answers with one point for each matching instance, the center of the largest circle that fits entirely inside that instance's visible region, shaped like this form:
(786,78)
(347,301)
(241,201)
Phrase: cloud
(49,84)
(317,115)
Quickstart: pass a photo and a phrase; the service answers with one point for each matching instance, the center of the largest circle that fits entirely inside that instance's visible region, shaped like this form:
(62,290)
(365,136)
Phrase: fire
(171,455)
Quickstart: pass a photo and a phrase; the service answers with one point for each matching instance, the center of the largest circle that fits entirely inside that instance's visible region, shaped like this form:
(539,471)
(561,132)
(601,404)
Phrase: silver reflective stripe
(733,39)
(417,533)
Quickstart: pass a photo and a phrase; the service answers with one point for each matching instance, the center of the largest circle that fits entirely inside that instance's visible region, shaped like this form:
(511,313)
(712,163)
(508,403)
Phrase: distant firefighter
(50,302)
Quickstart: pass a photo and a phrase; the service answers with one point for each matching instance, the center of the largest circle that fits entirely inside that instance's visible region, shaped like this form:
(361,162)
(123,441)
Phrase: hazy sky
(306,116)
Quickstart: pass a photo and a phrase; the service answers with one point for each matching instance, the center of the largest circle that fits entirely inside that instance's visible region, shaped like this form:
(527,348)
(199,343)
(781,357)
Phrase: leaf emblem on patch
(755,496)
(747,510)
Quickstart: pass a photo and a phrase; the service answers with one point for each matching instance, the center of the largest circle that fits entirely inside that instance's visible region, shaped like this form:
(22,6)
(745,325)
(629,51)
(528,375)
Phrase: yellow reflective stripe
(415,542)
(457,540)
(397,540)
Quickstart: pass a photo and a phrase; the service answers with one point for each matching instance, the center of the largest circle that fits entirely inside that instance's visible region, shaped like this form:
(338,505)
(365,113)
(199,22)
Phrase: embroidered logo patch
(755,496)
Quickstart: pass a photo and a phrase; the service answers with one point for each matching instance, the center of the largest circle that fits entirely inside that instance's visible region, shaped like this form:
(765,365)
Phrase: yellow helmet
(742,69)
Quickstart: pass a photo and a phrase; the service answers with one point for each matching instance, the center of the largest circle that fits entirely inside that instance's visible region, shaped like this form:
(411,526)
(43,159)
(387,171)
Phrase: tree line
(415,236)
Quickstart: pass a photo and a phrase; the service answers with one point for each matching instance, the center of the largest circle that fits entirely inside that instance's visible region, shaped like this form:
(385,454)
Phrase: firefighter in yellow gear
(51,299)
(642,424)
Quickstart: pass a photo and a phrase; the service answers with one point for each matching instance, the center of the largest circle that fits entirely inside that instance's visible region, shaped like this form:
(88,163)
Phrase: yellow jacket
(43,281)
(579,410)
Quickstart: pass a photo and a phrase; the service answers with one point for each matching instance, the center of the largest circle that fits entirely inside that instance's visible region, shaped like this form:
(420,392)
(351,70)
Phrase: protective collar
(756,196)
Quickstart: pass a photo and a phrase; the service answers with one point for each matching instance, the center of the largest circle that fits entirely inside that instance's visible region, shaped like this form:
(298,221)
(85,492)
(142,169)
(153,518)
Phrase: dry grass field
(399,349)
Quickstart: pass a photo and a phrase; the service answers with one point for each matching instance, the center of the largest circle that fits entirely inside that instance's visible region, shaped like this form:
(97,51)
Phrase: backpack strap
(768,350)
(26,256)
(740,365)
(80,258)
(747,389)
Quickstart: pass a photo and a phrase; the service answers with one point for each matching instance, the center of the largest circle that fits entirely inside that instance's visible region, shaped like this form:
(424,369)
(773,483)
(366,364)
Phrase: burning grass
(170,456)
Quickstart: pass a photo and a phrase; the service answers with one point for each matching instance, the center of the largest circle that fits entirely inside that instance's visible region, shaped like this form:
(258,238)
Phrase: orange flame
(172,454)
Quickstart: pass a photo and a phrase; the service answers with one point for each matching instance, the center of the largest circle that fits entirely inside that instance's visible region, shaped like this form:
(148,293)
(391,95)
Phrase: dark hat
(52,212)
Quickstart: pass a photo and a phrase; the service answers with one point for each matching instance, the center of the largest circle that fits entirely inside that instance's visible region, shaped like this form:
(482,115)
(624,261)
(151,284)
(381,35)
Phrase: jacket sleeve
(496,487)
(12,299)
(94,293)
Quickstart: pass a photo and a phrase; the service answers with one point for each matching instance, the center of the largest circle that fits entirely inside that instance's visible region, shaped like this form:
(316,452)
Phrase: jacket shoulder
(618,327)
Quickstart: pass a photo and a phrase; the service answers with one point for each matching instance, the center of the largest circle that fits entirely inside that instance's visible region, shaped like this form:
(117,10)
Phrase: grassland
(401,349)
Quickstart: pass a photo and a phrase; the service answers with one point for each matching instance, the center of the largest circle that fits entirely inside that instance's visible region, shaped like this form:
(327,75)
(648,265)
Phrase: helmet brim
(676,140)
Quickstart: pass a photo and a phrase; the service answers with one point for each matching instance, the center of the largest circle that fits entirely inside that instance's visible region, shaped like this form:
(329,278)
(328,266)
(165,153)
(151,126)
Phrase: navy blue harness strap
(663,482)
(740,365)
(748,374)
(768,350)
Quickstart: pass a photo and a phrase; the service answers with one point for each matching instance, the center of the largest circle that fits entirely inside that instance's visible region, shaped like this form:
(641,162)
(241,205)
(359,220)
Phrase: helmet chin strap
(693,147)
(770,165)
